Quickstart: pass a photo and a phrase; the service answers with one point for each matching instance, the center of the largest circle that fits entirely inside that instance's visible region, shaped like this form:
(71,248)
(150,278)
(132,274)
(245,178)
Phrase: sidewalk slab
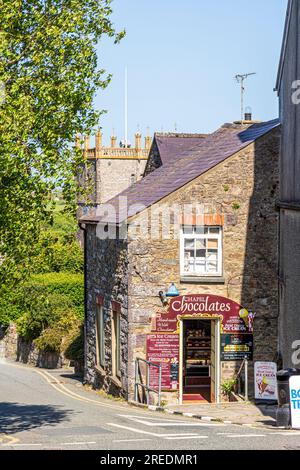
(246,414)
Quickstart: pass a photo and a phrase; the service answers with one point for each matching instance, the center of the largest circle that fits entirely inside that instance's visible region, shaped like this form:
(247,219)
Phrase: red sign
(234,318)
(164,349)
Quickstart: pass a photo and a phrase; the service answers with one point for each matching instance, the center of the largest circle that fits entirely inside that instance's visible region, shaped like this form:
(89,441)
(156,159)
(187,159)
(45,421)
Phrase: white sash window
(201,251)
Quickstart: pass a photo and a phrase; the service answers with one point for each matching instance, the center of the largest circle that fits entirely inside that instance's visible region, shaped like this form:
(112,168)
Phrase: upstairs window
(201,251)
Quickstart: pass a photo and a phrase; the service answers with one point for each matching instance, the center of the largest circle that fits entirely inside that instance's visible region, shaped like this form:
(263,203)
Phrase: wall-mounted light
(163,298)
(171,292)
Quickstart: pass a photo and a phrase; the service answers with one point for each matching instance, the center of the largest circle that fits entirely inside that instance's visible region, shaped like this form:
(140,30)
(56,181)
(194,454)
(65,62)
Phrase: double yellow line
(59,387)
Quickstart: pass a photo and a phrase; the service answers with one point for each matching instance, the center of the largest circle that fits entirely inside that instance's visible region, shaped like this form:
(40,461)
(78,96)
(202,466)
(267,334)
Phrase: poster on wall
(265,374)
(164,349)
(236,347)
(295,401)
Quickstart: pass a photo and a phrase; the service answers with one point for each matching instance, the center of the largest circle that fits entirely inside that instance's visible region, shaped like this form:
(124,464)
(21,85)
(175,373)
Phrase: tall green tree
(49,76)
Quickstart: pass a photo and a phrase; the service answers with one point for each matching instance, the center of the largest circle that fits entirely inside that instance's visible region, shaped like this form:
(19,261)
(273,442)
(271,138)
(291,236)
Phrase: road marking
(140,431)
(6,440)
(22,445)
(241,435)
(54,382)
(77,443)
(186,437)
(165,423)
(132,440)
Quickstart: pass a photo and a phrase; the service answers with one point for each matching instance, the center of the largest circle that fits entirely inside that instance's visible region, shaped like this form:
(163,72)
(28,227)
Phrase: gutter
(83,228)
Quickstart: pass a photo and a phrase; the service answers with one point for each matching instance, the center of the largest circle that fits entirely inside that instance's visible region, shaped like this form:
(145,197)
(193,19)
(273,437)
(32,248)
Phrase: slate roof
(213,150)
(171,146)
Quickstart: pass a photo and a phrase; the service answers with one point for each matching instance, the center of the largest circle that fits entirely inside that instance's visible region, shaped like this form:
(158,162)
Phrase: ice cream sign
(234,318)
(265,381)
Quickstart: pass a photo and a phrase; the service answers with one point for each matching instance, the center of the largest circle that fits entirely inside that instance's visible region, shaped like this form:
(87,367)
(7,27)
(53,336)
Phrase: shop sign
(164,349)
(236,347)
(234,318)
(295,400)
(265,381)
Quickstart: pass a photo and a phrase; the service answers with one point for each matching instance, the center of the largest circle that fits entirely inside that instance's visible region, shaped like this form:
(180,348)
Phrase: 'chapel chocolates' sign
(164,349)
(234,318)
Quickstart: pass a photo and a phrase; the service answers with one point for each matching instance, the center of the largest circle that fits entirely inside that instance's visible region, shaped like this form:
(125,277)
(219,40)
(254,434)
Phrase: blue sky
(182,56)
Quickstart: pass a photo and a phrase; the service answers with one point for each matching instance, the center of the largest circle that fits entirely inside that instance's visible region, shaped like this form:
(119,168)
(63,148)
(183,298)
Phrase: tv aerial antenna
(241,78)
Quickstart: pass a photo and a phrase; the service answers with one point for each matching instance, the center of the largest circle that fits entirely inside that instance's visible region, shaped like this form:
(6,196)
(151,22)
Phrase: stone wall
(106,276)
(17,349)
(154,160)
(244,189)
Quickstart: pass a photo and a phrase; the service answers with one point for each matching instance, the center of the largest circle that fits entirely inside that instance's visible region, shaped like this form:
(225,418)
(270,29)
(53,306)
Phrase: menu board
(164,349)
(236,347)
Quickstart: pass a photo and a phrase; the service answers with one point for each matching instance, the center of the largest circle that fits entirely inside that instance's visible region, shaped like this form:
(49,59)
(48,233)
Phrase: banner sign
(164,349)
(234,318)
(265,381)
(236,347)
(295,400)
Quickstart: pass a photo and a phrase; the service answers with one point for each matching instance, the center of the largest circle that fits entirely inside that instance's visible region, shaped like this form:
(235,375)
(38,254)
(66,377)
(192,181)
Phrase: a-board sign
(295,401)
(265,374)
(164,349)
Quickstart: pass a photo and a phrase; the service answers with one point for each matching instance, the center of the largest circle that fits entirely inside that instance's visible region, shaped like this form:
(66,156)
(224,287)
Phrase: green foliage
(50,73)
(59,334)
(236,206)
(34,299)
(228,386)
(74,345)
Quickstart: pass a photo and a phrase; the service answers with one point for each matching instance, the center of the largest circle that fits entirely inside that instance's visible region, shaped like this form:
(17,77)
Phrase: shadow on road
(15,417)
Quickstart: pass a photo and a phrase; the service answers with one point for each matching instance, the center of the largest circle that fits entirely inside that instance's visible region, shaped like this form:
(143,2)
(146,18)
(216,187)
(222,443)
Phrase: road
(52,410)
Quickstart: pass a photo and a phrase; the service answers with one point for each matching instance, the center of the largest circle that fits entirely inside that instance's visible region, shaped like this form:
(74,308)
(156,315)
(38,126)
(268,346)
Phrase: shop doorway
(200,361)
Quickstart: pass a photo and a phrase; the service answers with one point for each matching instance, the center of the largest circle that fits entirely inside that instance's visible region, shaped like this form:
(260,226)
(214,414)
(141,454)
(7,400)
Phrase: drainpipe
(83,228)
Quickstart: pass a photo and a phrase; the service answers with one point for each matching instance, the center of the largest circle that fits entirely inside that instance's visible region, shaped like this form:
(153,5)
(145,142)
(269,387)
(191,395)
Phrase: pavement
(42,409)
(229,413)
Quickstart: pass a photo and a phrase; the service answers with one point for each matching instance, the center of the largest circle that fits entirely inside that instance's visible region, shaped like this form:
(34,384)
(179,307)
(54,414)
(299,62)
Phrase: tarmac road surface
(42,409)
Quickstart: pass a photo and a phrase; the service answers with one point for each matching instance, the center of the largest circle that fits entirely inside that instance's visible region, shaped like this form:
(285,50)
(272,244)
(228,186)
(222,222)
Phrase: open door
(213,362)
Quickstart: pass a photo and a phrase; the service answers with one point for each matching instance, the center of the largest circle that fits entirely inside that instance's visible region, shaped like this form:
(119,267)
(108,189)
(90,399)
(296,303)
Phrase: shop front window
(201,251)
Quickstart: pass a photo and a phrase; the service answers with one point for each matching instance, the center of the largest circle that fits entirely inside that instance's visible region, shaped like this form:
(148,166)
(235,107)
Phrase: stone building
(178,275)
(289,196)
(110,170)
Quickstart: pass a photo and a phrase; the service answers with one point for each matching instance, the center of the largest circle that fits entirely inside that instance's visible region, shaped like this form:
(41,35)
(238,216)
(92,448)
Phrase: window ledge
(116,381)
(100,370)
(202,280)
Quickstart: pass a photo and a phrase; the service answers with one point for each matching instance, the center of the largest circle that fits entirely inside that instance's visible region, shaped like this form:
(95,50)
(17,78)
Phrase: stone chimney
(86,144)
(148,142)
(138,141)
(113,142)
(98,140)
(78,141)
